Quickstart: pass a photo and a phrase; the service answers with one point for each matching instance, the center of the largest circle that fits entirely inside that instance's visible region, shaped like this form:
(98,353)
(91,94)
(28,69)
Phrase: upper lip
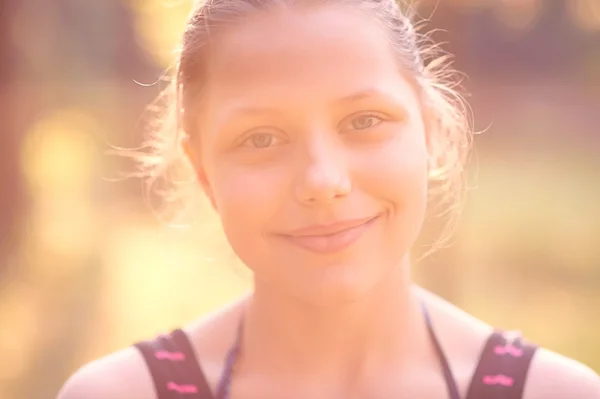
(329,228)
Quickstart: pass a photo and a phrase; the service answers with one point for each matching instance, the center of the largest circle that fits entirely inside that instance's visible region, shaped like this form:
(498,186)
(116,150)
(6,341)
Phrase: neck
(284,334)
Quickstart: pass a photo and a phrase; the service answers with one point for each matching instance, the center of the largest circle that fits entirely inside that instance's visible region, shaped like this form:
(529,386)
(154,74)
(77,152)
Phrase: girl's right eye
(262,140)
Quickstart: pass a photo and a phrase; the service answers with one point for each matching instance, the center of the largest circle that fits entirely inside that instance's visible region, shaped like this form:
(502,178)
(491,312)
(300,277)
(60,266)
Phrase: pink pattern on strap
(508,349)
(173,356)
(188,388)
(499,379)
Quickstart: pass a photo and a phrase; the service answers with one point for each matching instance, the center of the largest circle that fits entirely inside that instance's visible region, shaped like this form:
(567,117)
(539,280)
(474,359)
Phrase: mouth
(330,238)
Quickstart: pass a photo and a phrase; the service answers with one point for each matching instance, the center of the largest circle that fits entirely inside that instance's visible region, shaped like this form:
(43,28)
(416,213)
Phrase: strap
(174,367)
(448,376)
(502,369)
(224,387)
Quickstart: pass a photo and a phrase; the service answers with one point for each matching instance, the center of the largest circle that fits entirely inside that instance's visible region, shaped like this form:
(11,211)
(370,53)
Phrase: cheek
(397,175)
(247,200)
(397,172)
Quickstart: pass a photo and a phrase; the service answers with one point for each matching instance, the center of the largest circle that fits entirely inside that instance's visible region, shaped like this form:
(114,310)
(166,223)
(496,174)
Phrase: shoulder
(121,375)
(125,374)
(553,376)
(550,375)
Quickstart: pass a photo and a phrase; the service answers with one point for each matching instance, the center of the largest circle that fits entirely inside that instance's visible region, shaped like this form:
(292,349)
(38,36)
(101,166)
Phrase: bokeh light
(160,24)
(586,13)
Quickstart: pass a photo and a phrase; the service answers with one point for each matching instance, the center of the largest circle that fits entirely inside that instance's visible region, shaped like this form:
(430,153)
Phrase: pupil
(363,123)
(262,140)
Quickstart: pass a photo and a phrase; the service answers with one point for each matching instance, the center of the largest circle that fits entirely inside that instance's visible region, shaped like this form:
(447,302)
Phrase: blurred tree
(57,55)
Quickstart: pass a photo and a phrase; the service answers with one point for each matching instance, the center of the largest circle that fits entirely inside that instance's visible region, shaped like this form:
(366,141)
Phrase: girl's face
(312,148)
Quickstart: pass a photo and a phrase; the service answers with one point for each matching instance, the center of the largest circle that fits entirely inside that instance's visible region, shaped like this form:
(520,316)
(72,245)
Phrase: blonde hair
(447,115)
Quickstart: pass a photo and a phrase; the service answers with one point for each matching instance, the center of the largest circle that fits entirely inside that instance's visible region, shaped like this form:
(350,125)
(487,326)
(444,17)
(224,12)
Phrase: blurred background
(87,268)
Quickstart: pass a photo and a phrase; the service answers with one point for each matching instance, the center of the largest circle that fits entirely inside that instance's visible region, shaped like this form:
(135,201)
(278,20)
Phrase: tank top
(501,371)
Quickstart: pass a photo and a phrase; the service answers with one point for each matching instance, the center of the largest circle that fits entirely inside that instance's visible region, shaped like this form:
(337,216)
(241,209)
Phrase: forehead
(301,56)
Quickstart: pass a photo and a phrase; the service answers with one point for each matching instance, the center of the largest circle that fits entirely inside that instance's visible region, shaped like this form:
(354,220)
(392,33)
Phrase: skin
(334,134)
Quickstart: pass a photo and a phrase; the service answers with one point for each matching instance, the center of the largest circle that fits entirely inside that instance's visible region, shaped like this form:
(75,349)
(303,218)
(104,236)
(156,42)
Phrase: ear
(194,159)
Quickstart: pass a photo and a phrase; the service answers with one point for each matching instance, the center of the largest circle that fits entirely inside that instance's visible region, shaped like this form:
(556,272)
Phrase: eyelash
(374,115)
(258,134)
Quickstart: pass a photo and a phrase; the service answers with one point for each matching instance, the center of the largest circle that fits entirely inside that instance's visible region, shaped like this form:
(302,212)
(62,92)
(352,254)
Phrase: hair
(447,115)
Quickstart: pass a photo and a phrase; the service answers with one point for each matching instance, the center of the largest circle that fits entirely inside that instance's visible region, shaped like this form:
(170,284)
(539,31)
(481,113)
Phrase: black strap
(174,367)
(448,376)
(224,386)
(503,367)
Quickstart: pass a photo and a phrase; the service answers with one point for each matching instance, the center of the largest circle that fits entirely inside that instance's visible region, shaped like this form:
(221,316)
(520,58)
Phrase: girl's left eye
(363,122)
(260,140)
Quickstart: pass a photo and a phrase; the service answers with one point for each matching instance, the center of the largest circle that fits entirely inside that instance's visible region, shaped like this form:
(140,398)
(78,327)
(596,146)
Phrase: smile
(331,238)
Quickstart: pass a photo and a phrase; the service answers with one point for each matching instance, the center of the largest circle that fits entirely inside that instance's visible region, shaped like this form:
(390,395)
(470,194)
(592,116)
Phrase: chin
(340,285)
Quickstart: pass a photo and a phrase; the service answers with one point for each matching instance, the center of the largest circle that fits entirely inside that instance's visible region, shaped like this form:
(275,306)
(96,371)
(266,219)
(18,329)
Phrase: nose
(324,178)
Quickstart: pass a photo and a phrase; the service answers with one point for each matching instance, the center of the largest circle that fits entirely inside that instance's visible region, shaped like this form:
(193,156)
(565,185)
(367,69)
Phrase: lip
(332,237)
(329,229)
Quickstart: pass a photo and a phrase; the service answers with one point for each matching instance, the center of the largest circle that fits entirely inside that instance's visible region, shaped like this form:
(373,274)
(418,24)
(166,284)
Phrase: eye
(262,140)
(362,122)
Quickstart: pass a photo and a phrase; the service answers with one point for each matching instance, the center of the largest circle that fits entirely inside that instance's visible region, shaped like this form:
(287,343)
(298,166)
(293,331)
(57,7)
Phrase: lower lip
(331,243)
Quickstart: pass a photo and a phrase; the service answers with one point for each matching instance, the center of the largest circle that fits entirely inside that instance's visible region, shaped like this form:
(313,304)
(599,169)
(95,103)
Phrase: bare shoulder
(553,376)
(121,375)
(452,321)
(212,336)
(125,375)
(461,335)
(550,376)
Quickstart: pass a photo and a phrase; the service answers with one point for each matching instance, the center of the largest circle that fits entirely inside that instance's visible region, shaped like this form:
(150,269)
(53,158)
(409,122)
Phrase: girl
(321,133)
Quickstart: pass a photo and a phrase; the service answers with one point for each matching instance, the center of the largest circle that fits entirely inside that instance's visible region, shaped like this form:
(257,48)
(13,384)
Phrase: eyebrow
(363,95)
(250,110)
